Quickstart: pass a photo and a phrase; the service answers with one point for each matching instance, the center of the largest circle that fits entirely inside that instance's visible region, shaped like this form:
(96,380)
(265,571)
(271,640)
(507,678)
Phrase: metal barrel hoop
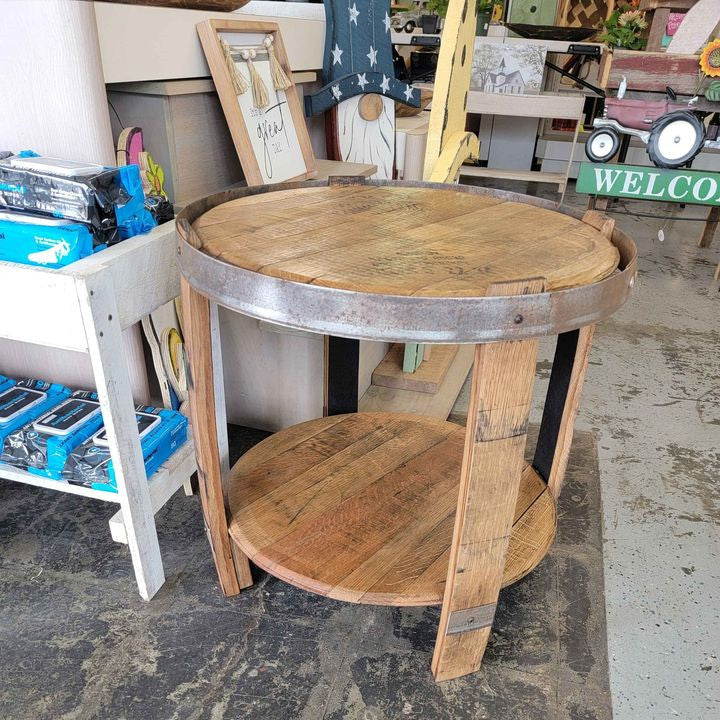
(399,318)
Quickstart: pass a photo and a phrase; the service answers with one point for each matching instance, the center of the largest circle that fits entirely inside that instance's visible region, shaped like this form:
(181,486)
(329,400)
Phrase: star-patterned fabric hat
(358,56)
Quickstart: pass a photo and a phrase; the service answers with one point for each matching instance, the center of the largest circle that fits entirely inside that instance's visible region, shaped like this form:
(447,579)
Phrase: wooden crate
(185,131)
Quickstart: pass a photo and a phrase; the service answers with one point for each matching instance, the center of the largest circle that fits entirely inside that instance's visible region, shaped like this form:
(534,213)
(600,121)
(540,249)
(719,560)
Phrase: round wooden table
(392,508)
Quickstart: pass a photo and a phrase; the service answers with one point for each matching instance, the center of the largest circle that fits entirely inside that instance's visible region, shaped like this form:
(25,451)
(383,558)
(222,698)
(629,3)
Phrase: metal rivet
(179,251)
(92,292)
(101,333)
(470,620)
(518,319)
(109,317)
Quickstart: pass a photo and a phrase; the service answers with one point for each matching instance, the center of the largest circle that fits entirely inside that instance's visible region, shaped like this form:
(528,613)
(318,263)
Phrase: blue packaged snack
(162,432)
(33,241)
(42,446)
(22,401)
(109,201)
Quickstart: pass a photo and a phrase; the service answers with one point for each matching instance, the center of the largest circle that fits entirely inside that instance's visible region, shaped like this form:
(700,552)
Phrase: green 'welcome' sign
(649,183)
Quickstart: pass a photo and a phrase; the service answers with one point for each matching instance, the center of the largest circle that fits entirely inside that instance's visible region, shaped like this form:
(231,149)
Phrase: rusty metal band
(398,318)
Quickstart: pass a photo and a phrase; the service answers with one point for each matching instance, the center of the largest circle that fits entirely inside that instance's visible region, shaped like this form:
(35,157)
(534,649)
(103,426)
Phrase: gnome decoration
(360,88)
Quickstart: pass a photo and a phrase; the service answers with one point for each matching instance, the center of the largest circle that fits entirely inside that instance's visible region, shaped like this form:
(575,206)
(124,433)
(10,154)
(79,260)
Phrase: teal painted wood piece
(696,187)
(414,353)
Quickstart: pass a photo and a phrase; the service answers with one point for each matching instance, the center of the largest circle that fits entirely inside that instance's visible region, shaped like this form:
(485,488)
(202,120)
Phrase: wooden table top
(398,240)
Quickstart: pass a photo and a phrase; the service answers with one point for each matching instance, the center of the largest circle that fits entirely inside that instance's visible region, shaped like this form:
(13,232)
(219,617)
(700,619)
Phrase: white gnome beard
(367,141)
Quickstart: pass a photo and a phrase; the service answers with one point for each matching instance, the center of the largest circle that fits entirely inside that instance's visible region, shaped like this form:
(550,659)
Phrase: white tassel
(280,79)
(259,91)
(240,84)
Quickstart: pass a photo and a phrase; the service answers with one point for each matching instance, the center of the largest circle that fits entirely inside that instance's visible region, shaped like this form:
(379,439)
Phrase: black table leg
(342,362)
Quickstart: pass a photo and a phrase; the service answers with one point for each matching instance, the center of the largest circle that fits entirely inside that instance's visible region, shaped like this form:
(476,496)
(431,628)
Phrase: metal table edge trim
(399,318)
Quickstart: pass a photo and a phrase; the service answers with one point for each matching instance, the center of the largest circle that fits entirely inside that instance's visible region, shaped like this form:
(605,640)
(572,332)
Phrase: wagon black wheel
(675,139)
(602,145)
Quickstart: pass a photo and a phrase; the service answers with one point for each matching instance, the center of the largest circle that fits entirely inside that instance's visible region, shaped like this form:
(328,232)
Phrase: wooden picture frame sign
(272,141)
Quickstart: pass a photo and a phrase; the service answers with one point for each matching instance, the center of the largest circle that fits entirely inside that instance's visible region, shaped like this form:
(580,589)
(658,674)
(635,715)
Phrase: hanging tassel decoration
(280,79)
(259,91)
(240,84)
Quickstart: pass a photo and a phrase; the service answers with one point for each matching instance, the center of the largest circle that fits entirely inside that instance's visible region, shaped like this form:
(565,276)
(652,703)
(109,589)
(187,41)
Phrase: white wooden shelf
(85,307)
(182,460)
(550,178)
(8,472)
(566,106)
(171,49)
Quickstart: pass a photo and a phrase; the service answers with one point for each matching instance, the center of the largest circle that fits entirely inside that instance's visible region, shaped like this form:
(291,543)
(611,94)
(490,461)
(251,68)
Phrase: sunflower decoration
(710,68)
(710,59)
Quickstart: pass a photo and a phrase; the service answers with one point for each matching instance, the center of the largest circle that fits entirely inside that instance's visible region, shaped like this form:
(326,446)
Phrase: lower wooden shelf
(550,178)
(361,508)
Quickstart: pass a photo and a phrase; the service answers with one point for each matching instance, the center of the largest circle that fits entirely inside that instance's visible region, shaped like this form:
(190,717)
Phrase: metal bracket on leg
(474,618)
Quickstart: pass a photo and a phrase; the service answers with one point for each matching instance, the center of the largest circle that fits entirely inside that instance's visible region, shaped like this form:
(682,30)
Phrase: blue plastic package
(22,401)
(51,246)
(133,218)
(162,432)
(5,383)
(42,446)
(109,202)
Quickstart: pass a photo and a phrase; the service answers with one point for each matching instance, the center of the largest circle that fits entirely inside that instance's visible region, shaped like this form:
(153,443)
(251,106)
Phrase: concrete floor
(77,642)
(653,399)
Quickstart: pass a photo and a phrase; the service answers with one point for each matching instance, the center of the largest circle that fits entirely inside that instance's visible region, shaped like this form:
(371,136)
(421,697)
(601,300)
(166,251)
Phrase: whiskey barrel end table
(392,508)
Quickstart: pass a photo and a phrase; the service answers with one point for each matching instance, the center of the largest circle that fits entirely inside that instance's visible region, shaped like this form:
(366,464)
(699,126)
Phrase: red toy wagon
(674,133)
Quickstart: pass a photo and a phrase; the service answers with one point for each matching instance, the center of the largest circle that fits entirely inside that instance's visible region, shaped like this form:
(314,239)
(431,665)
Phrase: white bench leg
(102,327)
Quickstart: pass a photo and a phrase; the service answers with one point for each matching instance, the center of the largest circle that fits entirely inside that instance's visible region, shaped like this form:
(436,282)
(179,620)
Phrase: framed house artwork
(250,70)
(514,69)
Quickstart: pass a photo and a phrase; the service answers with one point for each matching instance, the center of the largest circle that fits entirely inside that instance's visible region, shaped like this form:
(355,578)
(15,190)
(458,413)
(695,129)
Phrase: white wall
(52,100)
(51,84)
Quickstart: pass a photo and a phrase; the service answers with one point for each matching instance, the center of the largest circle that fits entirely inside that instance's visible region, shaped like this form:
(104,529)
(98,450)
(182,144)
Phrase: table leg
(207,408)
(96,297)
(570,161)
(502,382)
(711,225)
(561,405)
(342,364)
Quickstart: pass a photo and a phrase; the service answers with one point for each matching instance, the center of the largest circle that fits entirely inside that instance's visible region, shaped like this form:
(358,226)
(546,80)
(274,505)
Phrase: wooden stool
(398,509)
